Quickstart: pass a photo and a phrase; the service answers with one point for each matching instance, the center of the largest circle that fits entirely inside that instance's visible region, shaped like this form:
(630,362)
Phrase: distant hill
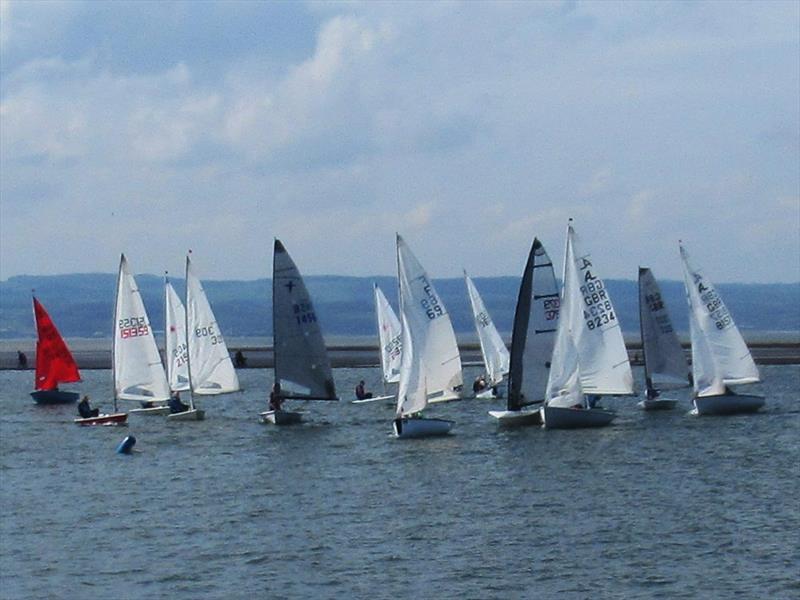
(82,304)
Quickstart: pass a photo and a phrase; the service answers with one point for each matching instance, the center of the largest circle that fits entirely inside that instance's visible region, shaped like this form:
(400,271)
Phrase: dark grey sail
(533,334)
(301,360)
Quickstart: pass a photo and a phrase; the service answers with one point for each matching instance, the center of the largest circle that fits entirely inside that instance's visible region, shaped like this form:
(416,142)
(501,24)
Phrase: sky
(468,127)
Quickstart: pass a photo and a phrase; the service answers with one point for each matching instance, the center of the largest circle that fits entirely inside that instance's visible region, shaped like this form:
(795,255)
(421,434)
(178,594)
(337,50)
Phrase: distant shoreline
(96,354)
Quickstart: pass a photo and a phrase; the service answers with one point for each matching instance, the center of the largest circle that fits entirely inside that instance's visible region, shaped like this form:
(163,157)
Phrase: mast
(167,360)
(114,331)
(647,379)
(186,327)
(380,342)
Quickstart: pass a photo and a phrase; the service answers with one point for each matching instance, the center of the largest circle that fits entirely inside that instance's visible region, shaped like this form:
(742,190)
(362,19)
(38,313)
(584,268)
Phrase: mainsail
(138,373)
(719,353)
(54,361)
(664,361)
(177,357)
(390,337)
(494,351)
(425,317)
(211,370)
(535,323)
(301,359)
(589,354)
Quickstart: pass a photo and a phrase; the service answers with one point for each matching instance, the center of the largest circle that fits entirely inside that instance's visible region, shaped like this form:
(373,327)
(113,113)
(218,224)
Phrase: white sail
(138,372)
(665,363)
(589,347)
(412,395)
(301,359)
(719,353)
(494,351)
(211,370)
(533,336)
(390,336)
(177,355)
(429,326)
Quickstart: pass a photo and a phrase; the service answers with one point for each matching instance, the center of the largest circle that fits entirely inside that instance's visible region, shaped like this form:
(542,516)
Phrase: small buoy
(126,445)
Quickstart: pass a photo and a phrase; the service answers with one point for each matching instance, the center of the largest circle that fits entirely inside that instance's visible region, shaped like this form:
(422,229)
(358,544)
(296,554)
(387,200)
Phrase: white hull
(517,418)
(418,428)
(554,417)
(147,412)
(445,398)
(658,404)
(194,414)
(727,404)
(281,417)
(375,399)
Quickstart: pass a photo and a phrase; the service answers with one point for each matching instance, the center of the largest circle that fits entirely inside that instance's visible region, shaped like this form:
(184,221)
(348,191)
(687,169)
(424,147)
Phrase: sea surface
(656,506)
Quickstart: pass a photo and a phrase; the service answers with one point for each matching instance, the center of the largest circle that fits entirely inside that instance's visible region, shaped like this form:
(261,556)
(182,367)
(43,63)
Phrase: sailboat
(589,354)
(391,344)
(665,365)
(535,323)
(54,361)
(302,366)
(209,366)
(494,351)
(176,351)
(431,366)
(720,356)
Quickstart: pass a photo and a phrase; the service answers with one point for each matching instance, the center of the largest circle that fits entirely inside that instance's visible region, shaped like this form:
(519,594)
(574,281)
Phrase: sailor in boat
(275,397)
(592,400)
(479,384)
(85,410)
(361,392)
(652,394)
(175,404)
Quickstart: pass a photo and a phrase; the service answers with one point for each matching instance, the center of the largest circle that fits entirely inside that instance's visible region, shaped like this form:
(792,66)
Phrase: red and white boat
(112,419)
(54,361)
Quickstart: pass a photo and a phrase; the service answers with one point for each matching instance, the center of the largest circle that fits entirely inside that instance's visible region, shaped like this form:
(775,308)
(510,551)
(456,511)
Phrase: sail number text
(654,305)
(133,327)
(180,355)
(551,308)
(216,338)
(430,304)
(304,313)
(393,347)
(713,303)
(598,310)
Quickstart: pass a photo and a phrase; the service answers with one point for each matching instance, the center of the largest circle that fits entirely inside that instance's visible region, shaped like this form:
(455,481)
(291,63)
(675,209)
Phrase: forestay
(428,324)
(138,373)
(494,351)
(719,353)
(301,360)
(177,358)
(210,367)
(390,337)
(535,323)
(664,361)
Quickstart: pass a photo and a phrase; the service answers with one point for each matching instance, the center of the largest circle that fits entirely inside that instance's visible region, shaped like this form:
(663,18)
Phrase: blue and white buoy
(126,445)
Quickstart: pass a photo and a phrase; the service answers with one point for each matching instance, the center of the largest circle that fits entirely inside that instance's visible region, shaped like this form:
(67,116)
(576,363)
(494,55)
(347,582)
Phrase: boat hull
(375,399)
(727,404)
(194,414)
(54,397)
(112,419)
(419,428)
(556,417)
(281,417)
(658,404)
(517,418)
(152,411)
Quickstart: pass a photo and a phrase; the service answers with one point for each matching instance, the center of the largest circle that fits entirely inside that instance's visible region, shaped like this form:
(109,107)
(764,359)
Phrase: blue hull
(54,397)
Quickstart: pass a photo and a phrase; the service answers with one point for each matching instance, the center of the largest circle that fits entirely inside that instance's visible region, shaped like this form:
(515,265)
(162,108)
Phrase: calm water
(657,506)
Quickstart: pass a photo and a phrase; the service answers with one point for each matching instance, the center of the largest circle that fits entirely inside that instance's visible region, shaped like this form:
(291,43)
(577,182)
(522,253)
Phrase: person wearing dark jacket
(85,410)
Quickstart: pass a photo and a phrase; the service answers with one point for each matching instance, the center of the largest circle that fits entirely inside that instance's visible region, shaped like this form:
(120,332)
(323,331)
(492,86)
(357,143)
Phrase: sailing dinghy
(665,365)
(430,366)
(390,337)
(494,351)
(720,356)
(535,323)
(589,354)
(54,361)
(209,368)
(302,366)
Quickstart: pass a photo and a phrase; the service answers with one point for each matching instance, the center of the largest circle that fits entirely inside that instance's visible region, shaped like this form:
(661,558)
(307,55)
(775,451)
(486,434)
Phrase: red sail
(54,362)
